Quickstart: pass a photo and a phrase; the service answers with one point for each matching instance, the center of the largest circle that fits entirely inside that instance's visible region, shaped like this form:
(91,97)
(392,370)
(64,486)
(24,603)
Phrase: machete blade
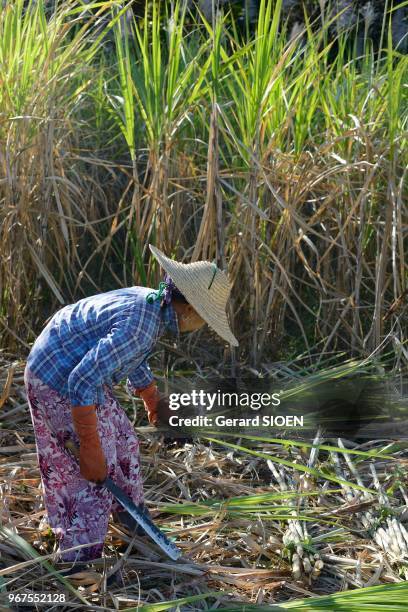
(143,520)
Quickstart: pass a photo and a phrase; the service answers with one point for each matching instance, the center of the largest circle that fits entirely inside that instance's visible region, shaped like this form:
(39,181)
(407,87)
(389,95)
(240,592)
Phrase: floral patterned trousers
(78,510)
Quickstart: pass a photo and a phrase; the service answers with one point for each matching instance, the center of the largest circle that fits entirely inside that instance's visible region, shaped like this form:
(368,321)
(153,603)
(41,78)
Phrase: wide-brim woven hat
(205,287)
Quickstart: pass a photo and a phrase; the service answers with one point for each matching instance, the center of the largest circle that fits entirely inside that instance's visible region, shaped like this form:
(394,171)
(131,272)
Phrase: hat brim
(186,277)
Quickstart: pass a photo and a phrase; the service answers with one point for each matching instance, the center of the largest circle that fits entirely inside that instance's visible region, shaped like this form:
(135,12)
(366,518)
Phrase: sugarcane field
(204,305)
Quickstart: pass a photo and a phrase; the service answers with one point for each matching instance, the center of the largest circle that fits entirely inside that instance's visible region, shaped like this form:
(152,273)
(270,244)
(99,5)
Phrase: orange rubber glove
(151,397)
(92,462)
(156,405)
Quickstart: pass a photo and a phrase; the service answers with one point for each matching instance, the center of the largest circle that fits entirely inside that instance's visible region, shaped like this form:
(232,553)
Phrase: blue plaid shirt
(99,340)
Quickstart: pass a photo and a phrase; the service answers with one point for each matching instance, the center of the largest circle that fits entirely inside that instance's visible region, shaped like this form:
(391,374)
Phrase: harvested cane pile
(258,522)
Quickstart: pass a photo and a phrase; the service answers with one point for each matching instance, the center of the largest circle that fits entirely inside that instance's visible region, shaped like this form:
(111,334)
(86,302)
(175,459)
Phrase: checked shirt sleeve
(125,346)
(139,378)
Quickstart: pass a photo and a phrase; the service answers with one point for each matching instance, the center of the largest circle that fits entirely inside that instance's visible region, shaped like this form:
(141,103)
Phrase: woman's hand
(92,462)
(163,411)
(156,405)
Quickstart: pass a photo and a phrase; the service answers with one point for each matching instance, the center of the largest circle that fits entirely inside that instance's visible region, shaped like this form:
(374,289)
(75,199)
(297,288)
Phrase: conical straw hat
(205,287)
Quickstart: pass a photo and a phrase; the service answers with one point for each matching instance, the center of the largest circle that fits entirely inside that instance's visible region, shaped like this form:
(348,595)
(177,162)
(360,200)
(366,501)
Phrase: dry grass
(251,530)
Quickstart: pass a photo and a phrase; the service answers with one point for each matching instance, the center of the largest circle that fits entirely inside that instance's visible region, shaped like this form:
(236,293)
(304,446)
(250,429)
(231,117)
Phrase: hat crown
(218,283)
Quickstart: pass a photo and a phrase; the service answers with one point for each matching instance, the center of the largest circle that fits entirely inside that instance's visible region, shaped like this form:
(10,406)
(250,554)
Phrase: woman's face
(188,318)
